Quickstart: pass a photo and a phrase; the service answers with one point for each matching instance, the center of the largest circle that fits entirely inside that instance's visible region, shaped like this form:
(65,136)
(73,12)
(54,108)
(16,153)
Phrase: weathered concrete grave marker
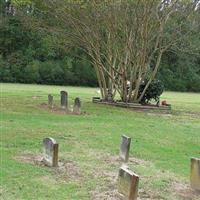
(195,173)
(110,95)
(50,101)
(128,183)
(77,106)
(64,100)
(124,148)
(50,152)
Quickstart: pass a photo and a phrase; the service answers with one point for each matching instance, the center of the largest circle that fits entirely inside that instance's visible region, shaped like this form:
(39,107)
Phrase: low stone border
(131,105)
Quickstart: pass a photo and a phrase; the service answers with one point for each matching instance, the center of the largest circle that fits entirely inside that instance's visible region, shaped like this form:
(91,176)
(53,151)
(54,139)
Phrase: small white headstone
(124,148)
(50,152)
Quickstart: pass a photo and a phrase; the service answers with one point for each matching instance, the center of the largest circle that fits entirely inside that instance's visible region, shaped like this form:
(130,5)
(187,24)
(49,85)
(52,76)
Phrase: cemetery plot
(88,161)
(65,107)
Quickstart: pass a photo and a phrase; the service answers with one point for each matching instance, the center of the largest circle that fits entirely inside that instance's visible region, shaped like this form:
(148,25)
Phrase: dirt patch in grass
(108,188)
(49,181)
(187,114)
(192,114)
(1,190)
(106,178)
(170,114)
(116,161)
(111,194)
(30,159)
(185,191)
(66,170)
(36,97)
(70,171)
(58,110)
(165,115)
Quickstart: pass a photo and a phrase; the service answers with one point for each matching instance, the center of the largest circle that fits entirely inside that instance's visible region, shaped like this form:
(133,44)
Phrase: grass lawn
(162,146)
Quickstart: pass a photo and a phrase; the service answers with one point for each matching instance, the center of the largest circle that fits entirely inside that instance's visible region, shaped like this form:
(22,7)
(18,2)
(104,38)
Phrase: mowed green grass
(162,144)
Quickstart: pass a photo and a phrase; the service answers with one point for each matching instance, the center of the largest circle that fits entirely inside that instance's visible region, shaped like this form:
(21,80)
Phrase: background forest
(30,56)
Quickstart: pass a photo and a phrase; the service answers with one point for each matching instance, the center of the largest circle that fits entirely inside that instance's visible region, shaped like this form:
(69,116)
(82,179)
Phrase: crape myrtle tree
(125,39)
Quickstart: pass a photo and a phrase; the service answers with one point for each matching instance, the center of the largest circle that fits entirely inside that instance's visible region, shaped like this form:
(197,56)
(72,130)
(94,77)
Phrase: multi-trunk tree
(125,39)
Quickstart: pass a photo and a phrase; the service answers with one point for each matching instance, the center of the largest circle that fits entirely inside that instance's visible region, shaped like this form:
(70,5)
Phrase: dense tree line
(181,72)
(30,56)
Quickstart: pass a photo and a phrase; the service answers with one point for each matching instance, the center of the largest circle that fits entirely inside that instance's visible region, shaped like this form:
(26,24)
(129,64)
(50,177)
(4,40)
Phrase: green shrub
(31,72)
(57,75)
(5,75)
(154,91)
(193,84)
(45,71)
(84,72)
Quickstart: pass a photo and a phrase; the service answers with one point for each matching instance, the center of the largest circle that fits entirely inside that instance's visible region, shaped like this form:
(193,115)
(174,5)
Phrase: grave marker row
(64,103)
(128,181)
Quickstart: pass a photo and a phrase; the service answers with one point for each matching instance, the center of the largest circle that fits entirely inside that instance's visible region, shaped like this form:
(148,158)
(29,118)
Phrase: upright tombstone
(50,101)
(77,106)
(195,173)
(110,95)
(128,183)
(124,148)
(50,152)
(64,100)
